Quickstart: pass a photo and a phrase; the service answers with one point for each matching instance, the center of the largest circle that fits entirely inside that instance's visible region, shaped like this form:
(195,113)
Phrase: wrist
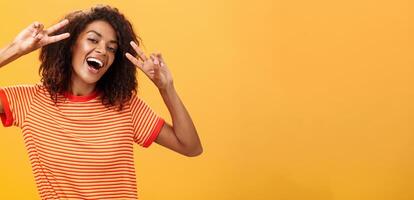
(9,53)
(16,50)
(168,89)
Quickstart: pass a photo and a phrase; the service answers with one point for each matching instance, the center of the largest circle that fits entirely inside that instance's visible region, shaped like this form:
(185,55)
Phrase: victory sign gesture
(31,38)
(154,67)
(34,36)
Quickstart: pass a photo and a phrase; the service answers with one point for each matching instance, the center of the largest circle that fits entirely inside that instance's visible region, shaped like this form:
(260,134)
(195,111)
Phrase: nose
(100,49)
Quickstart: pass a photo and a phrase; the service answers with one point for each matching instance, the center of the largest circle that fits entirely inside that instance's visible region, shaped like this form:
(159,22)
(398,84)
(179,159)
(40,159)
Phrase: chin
(90,80)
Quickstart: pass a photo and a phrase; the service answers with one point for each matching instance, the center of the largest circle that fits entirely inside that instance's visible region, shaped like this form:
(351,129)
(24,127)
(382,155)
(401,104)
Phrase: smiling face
(93,53)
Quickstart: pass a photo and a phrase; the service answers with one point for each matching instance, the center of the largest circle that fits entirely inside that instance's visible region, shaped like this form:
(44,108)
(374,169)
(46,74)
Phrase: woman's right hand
(34,36)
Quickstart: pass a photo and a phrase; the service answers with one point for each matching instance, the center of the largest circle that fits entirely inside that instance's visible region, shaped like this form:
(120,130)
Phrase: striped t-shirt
(78,148)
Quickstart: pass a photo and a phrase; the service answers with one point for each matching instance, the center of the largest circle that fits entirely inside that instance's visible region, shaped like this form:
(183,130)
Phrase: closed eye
(112,49)
(93,40)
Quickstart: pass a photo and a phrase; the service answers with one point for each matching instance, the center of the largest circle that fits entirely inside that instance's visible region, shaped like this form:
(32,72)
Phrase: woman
(79,124)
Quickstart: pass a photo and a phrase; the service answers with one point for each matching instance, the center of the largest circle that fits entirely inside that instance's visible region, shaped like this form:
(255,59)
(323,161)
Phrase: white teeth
(95,60)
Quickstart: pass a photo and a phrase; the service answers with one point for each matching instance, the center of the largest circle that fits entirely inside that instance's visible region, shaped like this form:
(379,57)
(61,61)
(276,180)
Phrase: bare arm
(182,136)
(28,40)
(9,54)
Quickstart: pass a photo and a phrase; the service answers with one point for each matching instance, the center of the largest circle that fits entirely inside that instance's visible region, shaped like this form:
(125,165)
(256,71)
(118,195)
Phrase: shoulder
(23,88)
(135,99)
(137,104)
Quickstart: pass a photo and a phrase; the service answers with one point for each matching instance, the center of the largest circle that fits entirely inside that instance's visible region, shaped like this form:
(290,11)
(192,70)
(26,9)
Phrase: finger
(140,53)
(37,28)
(159,56)
(134,60)
(36,24)
(57,26)
(156,70)
(33,27)
(155,59)
(38,37)
(57,38)
(156,66)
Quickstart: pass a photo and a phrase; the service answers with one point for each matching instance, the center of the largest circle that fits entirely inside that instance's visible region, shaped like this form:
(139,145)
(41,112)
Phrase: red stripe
(155,133)
(80,149)
(6,117)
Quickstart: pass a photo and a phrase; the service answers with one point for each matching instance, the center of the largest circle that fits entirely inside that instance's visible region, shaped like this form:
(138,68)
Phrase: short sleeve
(146,123)
(16,102)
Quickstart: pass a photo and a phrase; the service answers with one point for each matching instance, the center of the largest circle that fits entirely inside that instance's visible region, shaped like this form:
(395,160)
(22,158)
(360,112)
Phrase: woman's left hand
(154,67)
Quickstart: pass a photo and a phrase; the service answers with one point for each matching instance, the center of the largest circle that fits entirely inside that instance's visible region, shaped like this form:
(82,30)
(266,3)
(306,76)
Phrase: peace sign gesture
(154,67)
(34,36)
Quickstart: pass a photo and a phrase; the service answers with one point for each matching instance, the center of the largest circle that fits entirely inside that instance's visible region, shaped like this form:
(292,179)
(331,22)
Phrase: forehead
(103,28)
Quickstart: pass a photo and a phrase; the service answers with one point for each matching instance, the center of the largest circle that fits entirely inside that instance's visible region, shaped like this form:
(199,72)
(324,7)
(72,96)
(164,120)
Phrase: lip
(101,62)
(91,69)
(97,58)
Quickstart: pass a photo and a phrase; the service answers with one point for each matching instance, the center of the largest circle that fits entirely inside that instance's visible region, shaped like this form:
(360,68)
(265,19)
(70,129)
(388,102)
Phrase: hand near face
(154,67)
(34,36)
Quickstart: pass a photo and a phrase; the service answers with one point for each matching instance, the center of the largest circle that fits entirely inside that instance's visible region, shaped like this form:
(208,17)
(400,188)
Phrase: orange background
(293,100)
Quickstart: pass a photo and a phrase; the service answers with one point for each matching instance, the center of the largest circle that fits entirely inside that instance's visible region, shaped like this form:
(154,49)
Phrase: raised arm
(28,40)
(182,136)
(8,54)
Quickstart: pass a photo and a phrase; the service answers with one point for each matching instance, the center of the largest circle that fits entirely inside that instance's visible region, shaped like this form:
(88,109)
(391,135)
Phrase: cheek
(75,57)
(79,52)
(109,64)
(111,59)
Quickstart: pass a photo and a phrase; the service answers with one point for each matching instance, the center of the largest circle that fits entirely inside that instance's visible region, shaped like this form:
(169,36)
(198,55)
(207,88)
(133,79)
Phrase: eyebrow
(100,35)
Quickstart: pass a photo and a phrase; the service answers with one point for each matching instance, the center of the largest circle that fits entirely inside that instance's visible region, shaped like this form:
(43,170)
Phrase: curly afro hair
(118,84)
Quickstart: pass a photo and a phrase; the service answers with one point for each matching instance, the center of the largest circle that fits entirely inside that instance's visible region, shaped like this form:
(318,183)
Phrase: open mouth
(94,63)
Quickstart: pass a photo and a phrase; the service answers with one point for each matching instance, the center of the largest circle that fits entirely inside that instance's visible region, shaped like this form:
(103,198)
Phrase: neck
(79,88)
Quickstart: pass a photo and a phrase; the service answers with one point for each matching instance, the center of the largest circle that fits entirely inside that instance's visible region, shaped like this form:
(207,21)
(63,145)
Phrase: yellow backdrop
(293,100)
